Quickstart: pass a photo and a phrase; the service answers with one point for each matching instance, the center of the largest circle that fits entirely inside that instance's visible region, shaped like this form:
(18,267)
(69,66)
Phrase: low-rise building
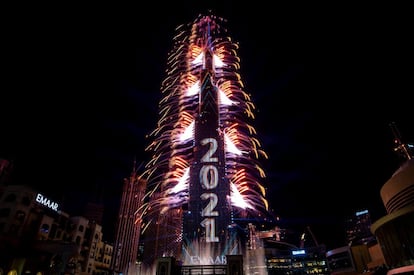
(37,236)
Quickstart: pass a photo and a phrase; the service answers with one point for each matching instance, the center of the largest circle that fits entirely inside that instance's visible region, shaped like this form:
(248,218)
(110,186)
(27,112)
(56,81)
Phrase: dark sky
(81,85)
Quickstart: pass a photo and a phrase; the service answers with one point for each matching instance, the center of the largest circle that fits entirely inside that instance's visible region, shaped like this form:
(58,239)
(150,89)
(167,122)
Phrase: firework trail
(203,58)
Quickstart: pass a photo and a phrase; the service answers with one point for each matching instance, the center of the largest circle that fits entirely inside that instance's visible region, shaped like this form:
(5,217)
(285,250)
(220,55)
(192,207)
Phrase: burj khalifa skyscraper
(205,173)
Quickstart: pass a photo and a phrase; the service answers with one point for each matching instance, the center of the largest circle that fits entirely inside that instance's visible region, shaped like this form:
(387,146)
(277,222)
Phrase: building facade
(358,228)
(395,231)
(36,236)
(128,225)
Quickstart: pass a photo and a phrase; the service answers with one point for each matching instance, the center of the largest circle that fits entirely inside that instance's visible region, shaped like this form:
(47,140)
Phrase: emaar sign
(46,202)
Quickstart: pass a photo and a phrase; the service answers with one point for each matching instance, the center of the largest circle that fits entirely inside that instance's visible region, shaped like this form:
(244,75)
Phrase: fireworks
(204,58)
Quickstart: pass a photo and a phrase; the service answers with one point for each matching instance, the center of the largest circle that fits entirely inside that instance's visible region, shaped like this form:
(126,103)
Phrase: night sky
(81,85)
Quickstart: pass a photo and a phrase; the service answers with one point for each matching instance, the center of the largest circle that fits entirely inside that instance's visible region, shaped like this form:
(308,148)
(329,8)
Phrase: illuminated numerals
(213,148)
(209,176)
(208,210)
(210,225)
(209,180)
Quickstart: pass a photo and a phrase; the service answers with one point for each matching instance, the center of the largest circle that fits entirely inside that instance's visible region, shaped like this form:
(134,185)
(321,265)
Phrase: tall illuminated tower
(128,225)
(204,175)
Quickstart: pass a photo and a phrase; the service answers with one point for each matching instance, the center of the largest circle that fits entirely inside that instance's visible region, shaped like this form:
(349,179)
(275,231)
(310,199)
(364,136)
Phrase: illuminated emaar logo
(361,213)
(298,252)
(46,202)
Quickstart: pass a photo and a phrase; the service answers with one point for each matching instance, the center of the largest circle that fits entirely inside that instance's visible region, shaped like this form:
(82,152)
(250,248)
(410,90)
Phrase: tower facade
(128,227)
(205,174)
(358,228)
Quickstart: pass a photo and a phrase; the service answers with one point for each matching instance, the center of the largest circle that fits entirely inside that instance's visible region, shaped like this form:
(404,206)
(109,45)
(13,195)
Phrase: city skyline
(88,105)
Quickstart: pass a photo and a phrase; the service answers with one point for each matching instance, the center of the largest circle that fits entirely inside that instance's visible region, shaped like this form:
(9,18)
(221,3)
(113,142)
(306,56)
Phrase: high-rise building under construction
(205,175)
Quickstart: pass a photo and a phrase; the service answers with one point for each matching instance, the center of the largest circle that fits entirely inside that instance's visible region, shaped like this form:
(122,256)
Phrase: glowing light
(237,199)
(182,184)
(224,100)
(172,141)
(188,133)
(178,112)
(199,59)
(230,147)
(193,90)
(218,63)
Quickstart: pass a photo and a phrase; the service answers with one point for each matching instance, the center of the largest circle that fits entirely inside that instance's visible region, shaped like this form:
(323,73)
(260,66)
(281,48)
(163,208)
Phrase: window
(44,228)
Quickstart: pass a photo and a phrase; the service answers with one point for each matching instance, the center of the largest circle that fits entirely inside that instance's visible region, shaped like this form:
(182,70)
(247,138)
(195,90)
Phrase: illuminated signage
(298,252)
(209,181)
(361,213)
(208,260)
(46,202)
